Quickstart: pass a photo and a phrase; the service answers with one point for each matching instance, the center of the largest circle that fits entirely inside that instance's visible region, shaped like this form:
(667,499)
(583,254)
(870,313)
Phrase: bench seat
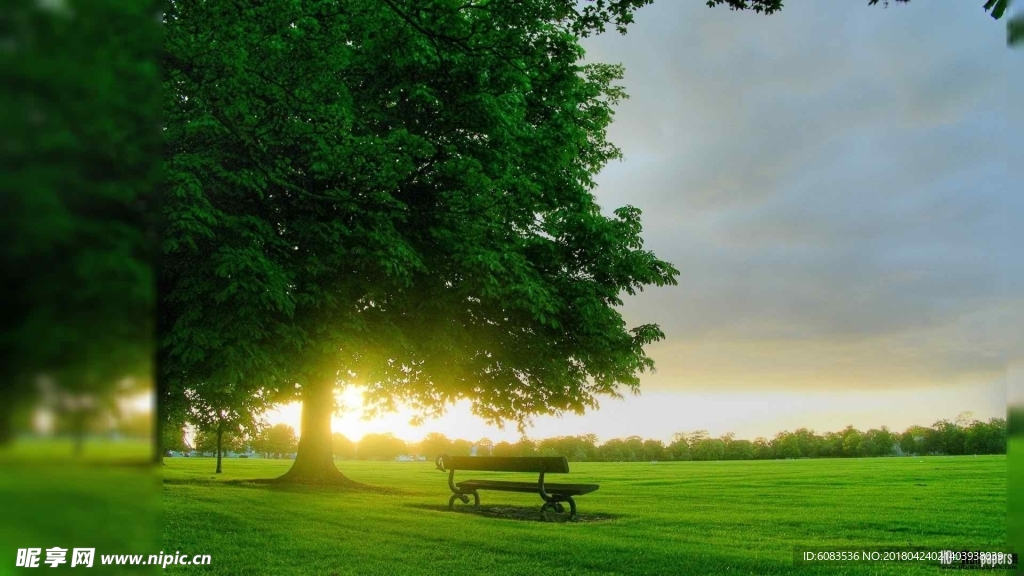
(530,487)
(554,495)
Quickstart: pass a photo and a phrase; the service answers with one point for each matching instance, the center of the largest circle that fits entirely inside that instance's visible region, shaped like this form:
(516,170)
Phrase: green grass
(107,499)
(667,518)
(94,450)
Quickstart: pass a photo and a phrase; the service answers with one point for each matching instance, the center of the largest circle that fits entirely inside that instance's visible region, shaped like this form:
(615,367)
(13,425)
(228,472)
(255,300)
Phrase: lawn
(738,517)
(108,499)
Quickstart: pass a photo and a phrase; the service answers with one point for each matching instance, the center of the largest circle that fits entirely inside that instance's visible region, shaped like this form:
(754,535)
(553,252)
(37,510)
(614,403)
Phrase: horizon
(459,419)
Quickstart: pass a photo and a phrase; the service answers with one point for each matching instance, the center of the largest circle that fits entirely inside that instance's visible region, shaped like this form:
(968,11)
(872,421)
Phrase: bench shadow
(519,513)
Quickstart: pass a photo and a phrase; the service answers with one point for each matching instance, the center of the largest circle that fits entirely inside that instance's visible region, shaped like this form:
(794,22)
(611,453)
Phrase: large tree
(397,195)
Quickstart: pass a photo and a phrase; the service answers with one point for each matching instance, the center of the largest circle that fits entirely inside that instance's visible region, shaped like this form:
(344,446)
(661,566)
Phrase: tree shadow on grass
(520,513)
(276,484)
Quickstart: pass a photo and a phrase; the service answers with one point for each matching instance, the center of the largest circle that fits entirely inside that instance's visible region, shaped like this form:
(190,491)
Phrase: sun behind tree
(374,202)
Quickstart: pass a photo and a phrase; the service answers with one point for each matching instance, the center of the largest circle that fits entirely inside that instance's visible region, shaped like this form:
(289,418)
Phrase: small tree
(679,448)
(653,450)
(503,449)
(461,447)
(786,445)
(435,444)
(276,441)
(342,447)
(173,439)
(224,410)
(380,447)
(207,441)
(851,443)
(709,449)
(739,450)
(485,446)
(763,449)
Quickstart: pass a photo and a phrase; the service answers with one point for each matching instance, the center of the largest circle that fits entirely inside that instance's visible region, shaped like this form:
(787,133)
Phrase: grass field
(108,499)
(647,518)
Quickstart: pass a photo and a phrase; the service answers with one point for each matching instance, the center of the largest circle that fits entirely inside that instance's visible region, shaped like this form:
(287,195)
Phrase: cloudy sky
(840,186)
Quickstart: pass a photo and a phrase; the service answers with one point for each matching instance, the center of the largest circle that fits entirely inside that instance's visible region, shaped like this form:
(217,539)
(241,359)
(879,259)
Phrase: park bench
(552,494)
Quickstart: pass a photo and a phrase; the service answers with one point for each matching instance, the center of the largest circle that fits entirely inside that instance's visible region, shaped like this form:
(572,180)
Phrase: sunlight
(661,413)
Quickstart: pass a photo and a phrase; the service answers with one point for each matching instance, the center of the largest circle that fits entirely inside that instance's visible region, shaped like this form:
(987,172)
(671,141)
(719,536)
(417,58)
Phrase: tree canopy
(396,194)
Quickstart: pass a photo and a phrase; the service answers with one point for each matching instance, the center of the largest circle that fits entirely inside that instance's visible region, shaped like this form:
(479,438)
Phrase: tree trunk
(220,436)
(314,463)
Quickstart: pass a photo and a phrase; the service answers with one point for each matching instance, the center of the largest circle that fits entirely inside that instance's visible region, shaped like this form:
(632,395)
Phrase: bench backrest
(548,464)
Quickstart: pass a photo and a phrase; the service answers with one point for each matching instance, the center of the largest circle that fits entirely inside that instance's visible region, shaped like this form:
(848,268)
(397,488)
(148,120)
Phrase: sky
(840,188)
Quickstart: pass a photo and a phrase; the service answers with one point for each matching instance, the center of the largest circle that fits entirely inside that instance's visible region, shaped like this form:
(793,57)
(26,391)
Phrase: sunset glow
(658,414)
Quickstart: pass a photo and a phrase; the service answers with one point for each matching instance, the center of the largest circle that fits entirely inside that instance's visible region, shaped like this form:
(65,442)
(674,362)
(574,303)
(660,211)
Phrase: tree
(708,449)
(174,439)
(831,445)
(586,447)
(653,450)
(380,447)
(786,445)
(986,437)
(739,450)
(434,445)
(524,447)
(884,441)
(208,441)
(574,448)
(912,440)
(485,445)
(503,449)
(851,442)
(614,450)
(763,449)
(400,200)
(679,448)
(224,411)
(634,446)
(808,442)
(276,441)
(461,447)
(948,438)
(932,441)
(342,447)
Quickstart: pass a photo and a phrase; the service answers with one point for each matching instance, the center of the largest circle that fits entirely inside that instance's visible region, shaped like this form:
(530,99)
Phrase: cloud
(836,184)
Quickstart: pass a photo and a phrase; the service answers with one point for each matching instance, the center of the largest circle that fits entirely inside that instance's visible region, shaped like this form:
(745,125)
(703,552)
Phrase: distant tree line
(959,437)
(964,435)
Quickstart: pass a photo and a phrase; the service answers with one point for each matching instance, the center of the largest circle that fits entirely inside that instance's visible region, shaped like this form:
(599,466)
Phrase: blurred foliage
(80,152)
(79,158)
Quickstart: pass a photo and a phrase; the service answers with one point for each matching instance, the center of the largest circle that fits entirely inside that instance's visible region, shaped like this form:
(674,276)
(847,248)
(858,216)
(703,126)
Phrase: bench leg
(556,505)
(465,499)
(572,509)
